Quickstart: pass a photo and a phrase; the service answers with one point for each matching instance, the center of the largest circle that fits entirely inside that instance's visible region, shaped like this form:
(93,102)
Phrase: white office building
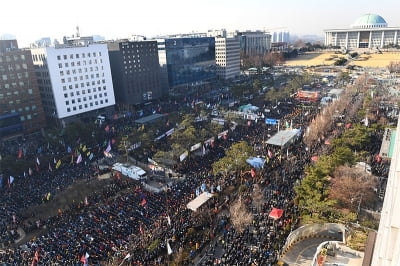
(227,57)
(74,80)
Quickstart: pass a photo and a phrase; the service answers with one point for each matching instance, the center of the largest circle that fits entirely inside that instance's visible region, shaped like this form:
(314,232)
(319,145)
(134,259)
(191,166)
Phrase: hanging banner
(223,133)
(195,146)
(183,156)
(169,132)
(209,141)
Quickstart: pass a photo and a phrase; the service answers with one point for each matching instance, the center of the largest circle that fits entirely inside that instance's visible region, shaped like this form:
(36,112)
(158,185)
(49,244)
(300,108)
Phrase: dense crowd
(124,222)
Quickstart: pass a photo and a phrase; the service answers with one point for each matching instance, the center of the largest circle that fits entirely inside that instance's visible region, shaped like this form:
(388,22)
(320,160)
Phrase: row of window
(13,67)
(80,71)
(82,86)
(84,98)
(19,75)
(69,79)
(77,56)
(9,58)
(79,63)
(8,94)
(86,105)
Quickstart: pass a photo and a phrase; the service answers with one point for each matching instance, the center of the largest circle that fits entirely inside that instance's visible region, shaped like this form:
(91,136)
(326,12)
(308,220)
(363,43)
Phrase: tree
(312,193)
(351,187)
(234,159)
(239,215)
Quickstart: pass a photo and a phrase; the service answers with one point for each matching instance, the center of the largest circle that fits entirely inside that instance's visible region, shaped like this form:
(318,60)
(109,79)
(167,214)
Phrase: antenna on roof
(77,31)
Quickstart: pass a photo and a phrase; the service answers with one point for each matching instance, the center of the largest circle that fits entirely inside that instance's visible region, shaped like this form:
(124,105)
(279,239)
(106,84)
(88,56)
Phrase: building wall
(19,92)
(135,71)
(387,245)
(76,79)
(190,60)
(254,43)
(362,38)
(227,57)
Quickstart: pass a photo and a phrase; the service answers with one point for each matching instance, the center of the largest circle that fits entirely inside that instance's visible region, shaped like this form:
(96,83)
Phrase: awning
(198,201)
(276,213)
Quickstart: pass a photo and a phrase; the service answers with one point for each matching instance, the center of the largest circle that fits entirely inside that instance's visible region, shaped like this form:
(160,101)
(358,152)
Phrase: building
(21,109)
(254,43)
(74,81)
(386,250)
(135,71)
(227,57)
(370,31)
(278,36)
(190,60)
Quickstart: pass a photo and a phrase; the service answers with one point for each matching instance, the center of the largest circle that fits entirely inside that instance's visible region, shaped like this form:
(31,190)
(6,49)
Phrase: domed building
(369,31)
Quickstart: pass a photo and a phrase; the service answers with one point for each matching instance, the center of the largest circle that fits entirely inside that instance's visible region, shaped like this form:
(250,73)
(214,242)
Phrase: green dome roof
(370,21)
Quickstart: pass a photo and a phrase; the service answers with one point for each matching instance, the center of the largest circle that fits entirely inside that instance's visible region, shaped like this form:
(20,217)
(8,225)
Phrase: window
(65,57)
(66,102)
(65,95)
(59,65)
(77,56)
(66,64)
(68,109)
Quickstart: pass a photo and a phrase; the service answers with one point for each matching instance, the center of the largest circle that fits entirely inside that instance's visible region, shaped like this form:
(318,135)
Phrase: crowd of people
(123,222)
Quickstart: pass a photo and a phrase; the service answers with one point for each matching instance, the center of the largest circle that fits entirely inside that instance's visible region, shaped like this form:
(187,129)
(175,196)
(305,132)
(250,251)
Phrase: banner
(183,156)
(209,141)
(159,137)
(195,146)
(169,132)
(223,133)
(152,161)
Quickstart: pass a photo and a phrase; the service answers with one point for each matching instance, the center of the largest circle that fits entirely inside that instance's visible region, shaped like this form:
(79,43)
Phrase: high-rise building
(254,43)
(21,110)
(190,60)
(135,71)
(370,31)
(74,81)
(227,57)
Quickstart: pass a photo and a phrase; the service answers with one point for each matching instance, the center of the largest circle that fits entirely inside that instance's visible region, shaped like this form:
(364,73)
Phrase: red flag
(253,172)
(20,153)
(144,202)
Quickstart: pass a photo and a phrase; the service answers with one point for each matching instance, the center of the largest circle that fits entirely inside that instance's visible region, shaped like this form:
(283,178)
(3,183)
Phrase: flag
(37,161)
(24,174)
(366,122)
(54,160)
(20,153)
(10,181)
(79,159)
(204,150)
(72,159)
(69,150)
(58,164)
(144,202)
(127,256)
(85,259)
(108,149)
(30,171)
(141,229)
(84,148)
(253,172)
(169,248)
(86,201)
(269,154)
(50,169)
(169,220)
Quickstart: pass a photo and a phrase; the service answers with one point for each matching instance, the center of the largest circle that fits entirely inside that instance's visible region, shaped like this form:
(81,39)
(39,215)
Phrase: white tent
(199,200)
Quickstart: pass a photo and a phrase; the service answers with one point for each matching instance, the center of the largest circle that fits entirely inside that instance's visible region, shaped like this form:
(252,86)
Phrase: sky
(29,20)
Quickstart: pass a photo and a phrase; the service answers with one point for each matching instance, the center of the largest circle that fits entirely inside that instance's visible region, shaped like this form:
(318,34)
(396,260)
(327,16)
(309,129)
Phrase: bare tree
(240,216)
(352,187)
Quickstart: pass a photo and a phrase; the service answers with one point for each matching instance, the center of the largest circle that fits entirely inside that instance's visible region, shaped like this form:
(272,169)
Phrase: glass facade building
(190,60)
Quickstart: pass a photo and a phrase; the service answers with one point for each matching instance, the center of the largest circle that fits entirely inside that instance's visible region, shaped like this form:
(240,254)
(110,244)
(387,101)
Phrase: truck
(130,171)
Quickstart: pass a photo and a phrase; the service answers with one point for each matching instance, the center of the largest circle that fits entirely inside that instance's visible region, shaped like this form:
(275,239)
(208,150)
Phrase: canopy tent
(248,108)
(284,137)
(275,213)
(199,200)
(256,162)
(149,118)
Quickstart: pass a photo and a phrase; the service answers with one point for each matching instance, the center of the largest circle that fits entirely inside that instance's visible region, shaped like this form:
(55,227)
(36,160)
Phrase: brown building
(20,102)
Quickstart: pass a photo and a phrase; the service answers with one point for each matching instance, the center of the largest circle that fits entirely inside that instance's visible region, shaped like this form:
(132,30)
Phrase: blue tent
(256,162)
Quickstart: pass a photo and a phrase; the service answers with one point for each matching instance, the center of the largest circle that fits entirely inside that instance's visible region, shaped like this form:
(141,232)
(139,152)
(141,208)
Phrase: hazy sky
(31,20)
